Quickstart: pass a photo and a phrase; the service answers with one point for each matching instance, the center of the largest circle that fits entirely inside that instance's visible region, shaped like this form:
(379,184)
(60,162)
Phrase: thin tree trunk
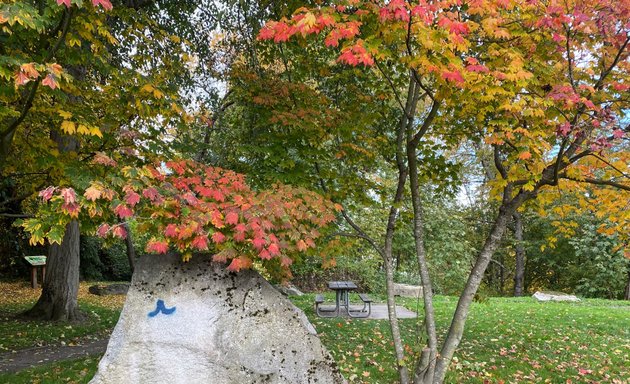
(405,121)
(519,275)
(627,295)
(131,251)
(59,295)
(403,372)
(456,329)
(501,275)
(425,368)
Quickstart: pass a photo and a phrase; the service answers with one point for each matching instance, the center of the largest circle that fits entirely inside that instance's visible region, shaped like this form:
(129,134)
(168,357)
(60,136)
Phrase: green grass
(70,371)
(17,333)
(507,340)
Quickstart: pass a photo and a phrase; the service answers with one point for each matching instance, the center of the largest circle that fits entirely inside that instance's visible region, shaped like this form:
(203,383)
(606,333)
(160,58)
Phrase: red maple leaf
(102,230)
(50,81)
(47,193)
(235,265)
(119,231)
(106,4)
(258,242)
(69,196)
(264,254)
(155,246)
(453,76)
(231,218)
(150,193)
(171,231)
(273,249)
(123,211)
(200,242)
(218,237)
(267,32)
(132,198)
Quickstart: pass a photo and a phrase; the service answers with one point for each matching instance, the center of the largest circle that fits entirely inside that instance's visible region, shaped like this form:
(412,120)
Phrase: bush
(100,261)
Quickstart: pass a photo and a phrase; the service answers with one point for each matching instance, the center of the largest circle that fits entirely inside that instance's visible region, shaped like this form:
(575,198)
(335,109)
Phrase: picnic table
(342,301)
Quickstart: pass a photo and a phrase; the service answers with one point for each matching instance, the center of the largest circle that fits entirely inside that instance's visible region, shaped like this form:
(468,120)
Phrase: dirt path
(32,357)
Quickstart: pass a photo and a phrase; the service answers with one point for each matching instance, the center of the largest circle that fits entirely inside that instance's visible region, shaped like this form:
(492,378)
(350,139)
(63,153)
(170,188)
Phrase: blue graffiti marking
(161,308)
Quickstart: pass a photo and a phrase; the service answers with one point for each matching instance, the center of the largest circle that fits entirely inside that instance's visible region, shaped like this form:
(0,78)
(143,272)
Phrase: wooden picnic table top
(342,285)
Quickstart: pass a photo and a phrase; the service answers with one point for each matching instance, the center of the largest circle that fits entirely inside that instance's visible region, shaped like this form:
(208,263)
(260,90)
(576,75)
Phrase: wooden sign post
(36,262)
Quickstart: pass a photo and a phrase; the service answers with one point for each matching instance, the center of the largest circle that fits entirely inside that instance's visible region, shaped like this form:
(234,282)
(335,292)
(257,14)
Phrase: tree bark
(61,286)
(519,275)
(131,251)
(627,294)
(425,368)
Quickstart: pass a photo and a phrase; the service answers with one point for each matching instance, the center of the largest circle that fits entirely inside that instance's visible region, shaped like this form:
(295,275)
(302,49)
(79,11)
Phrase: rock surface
(111,289)
(196,322)
(554,296)
(406,290)
(289,290)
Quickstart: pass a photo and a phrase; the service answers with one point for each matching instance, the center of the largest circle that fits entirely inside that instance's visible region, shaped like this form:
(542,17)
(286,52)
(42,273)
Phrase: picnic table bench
(342,300)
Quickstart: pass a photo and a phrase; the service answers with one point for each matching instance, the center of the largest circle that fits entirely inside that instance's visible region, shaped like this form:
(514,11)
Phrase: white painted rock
(554,296)
(196,322)
(406,290)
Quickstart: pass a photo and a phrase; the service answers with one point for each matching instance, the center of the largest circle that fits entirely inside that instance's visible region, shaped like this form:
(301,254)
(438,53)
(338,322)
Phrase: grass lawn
(507,340)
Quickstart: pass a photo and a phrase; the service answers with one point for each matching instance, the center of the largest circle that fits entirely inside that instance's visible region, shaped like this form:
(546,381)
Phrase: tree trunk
(519,275)
(425,367)
(627,295)
(399,351)
(131,251)
(501,274)
(456,330)
(61,286)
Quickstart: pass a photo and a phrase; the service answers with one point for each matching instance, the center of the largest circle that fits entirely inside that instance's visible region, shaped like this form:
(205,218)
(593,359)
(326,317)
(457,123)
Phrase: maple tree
(484,66)
(191,208)
(86,76)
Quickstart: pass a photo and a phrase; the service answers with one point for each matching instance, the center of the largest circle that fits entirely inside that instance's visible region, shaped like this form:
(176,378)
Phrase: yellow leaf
(157,93)
(83,129)
(68,127)
(94,131)
(64,114)
(148,88)
(72,41)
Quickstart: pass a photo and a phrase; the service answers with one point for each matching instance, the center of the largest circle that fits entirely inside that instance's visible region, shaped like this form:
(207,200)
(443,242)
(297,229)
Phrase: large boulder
(406,290)
(196,322)
(554,296)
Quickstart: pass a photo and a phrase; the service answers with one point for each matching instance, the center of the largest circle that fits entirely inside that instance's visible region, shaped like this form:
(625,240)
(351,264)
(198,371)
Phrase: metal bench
(367,307)
(319,299)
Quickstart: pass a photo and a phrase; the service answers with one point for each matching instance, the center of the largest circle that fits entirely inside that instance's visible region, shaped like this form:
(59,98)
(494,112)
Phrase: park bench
(367,306)
(319,300)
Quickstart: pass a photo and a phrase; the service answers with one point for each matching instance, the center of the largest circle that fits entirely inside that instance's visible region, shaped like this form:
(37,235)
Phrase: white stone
(226,328)
(554,296)
(406,290)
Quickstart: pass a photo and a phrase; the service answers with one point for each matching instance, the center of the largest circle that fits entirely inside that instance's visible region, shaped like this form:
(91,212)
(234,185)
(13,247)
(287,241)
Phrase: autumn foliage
(189,207)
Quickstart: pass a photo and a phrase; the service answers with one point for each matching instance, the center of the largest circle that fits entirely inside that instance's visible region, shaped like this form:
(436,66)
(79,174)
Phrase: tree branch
(589,180)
